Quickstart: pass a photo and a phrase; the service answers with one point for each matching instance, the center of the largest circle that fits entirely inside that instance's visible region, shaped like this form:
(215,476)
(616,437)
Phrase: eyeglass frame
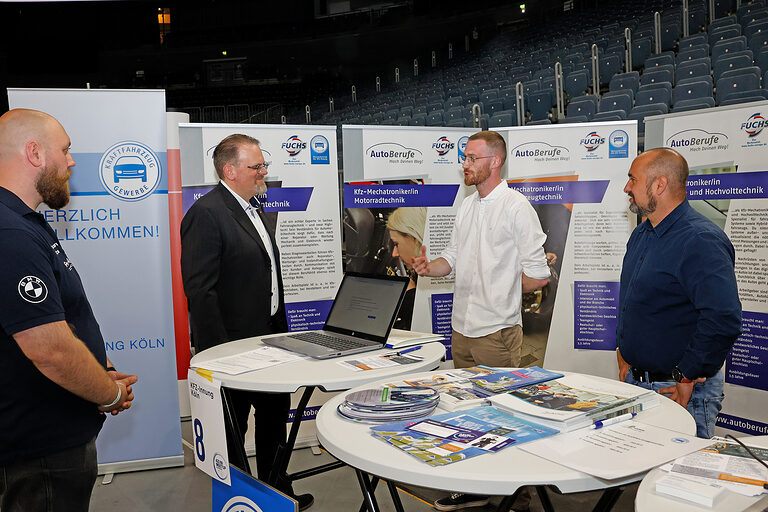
(473,158)
(258,167)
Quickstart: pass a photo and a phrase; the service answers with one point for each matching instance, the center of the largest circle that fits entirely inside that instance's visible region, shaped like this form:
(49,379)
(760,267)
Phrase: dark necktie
(256,204)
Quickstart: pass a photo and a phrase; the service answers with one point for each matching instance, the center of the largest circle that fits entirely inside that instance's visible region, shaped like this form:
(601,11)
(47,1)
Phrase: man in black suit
(230,266)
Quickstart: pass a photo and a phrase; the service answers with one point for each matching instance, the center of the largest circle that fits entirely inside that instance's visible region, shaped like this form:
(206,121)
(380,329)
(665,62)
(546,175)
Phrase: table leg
(608,499)
(546,503)
(238,459)
(367,488)
(395,497)
(279,471)
(374,483)
(506,503)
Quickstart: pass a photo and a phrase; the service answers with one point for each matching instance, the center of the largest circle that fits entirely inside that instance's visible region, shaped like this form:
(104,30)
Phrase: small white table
(500,474)
(648,500)
(308,373)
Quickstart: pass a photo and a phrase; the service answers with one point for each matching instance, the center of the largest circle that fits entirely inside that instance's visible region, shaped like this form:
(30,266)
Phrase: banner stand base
(141,465)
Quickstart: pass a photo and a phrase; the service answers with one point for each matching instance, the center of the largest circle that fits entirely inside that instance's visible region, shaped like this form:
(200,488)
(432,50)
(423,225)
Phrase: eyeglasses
(259,167)
(473,158)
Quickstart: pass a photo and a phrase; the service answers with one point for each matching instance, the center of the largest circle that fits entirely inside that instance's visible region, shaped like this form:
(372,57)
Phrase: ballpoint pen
(412,349)
(612,421)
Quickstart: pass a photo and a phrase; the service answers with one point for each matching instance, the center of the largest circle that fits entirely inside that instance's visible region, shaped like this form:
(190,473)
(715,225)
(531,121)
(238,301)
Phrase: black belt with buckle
(646,376)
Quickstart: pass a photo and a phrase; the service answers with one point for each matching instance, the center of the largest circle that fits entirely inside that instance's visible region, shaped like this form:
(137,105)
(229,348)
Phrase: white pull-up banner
(115,231)
(727,153)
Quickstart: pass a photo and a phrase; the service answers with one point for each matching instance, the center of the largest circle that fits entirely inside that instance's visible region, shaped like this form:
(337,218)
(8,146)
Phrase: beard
(53,188)
(261,188)
(477,176)
(643,211)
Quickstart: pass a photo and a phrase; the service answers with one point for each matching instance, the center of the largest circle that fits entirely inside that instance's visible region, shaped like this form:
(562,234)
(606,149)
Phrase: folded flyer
(451,437)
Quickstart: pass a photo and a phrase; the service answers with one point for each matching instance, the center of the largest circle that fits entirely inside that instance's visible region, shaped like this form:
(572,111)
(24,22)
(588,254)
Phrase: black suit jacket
(226,272)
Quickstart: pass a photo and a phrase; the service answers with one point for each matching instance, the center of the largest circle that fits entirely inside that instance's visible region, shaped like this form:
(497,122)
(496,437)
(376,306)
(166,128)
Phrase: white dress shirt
(262,229)
(495,239)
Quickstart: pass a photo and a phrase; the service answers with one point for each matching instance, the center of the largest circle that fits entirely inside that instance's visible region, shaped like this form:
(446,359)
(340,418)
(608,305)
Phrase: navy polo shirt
(679,303)
(39,285)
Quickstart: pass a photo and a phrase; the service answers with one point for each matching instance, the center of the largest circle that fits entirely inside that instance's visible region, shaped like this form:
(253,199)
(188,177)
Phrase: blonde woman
(406,230)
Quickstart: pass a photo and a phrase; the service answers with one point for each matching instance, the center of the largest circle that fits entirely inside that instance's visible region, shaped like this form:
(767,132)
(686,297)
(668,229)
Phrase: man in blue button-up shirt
(679,309)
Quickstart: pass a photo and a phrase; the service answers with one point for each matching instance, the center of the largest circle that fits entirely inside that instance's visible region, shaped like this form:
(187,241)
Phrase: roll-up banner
(727,153)
(574,176)
(115,231)
(411,178)
(302,200)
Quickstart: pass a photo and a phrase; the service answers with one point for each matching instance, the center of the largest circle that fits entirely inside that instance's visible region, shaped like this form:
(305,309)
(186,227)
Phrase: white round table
(499,474)
(648,500)
(308,373)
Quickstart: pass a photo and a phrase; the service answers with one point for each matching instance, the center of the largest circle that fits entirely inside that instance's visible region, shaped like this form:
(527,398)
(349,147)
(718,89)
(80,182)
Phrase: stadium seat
(689,42)
(493,106)
(538,121)
(453,102)
(670,32)
(761,60)
(582,106)
(728,46)
(455,123)
(747,9)
(758,42)
(490,94)
(539,104)
(693,53)
(576,83)
(453,114)
(432,107)
(574,119)
(723,34)
(749,70)
(756,15)
(722,22)
(620,101)
(705,78)
(697,17)
(653,96)
(406,111)
(658,74)
(745,97)
(502,120)
(624,81)
(730,63)
(612,115)
(693,90)
(418,120)
(693,104)
(609,66)
(435,118)
(731,84)
(531,86)
(660,60)
(655,85)
(756,27)
(698,67)
(652,109)
(641,50)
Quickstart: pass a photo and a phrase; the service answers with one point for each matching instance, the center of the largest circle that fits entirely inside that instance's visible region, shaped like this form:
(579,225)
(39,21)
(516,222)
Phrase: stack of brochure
(574,401)
(387,404)
(502,381)
(451,437)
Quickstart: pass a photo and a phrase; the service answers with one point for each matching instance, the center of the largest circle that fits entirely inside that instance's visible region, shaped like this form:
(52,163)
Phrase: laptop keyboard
(325,340)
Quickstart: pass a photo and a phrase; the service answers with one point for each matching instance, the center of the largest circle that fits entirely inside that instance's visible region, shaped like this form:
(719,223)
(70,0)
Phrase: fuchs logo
(754,125)
(129,171)
(392,150)
(540,150)
(293,145)
(592,141)
(443,146)
(696,138)
(462,146)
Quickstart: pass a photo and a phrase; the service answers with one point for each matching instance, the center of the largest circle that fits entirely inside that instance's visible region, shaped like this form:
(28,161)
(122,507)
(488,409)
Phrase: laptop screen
(366,306)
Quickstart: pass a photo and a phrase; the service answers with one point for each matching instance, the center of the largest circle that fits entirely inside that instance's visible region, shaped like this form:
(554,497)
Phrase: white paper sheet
(616,451)
(262,357)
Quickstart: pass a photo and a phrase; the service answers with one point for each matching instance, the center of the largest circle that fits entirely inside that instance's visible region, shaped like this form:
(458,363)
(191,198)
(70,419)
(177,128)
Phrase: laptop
(362,314)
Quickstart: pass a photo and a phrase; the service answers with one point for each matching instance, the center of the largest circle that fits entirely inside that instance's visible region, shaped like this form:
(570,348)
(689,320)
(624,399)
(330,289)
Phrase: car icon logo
(130,167)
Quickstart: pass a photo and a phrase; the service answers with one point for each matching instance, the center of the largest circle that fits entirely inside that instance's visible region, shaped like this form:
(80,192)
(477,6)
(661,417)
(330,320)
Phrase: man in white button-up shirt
(497,255)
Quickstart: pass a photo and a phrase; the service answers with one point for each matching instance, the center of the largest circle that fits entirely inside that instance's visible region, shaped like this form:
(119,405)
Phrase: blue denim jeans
(706,400)
(59,482)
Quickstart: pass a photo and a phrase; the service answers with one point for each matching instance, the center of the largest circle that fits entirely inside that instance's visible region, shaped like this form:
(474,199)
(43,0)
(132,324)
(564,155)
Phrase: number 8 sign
(208,432)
